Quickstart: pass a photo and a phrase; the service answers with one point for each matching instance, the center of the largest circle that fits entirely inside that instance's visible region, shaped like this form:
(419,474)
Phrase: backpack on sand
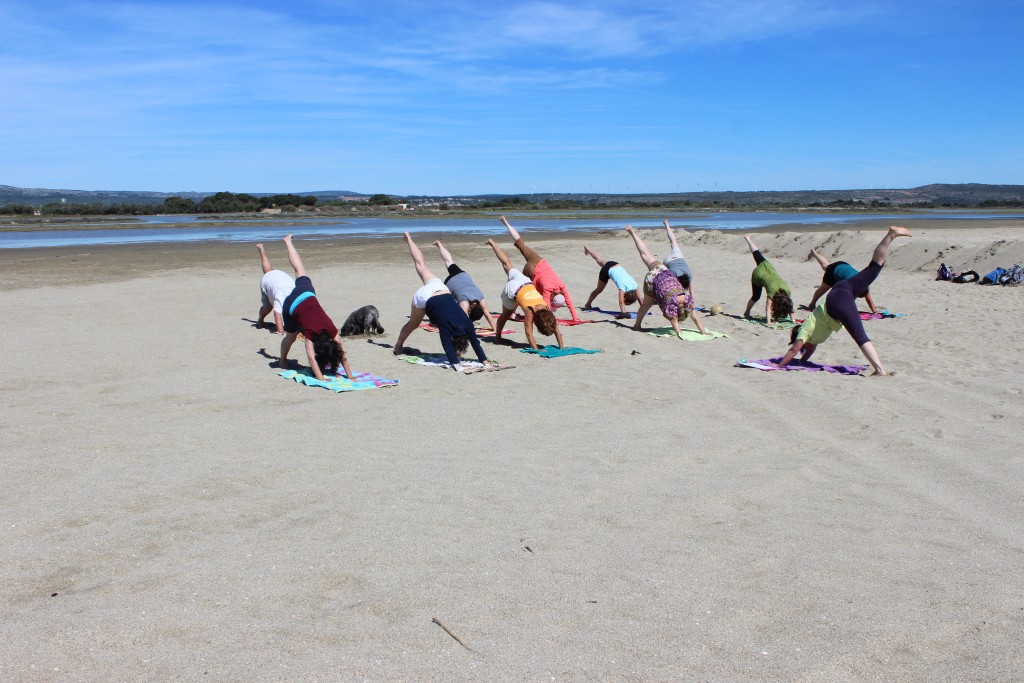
(993,277)
(943,272)
(1014,276)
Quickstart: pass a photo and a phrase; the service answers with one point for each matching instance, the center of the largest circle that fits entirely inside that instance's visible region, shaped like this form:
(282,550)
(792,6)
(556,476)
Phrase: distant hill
(39,196)
(936,195)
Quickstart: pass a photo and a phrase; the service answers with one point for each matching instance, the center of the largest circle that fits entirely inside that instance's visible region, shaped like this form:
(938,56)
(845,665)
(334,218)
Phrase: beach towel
(687,334)
(480,332)
(338,383)
(865,315)
(466,367)
(555,352)
(784,325)
(797,364)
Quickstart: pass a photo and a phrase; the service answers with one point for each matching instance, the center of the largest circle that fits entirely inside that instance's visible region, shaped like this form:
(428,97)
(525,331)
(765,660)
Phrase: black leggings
(841,301)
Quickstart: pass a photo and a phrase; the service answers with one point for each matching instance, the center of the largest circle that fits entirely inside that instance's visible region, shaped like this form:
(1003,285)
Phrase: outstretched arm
(344,358)
(487,314)
(311,357)
(791,354)
(558,337)
(528,327)
(871,302)
(768,310)
(568,303)
(622,302)
(697,322)
(818,293)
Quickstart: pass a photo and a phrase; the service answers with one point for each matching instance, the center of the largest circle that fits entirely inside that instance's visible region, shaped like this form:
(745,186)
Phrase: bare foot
(287,239)
(629,229)
(898,231)
(586,250)
(437,243)
(881,373)
(260,247)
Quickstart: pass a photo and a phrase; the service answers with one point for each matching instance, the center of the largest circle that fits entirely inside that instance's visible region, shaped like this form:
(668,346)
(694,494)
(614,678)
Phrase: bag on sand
(943,272)
(966,276)
(1014,276)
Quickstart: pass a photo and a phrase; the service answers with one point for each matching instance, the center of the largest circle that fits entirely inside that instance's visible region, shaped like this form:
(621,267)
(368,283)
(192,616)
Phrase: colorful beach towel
(555,352)
(797,364)
(687,334)
(338,383)
(466,367)
(865,315)
(480,331)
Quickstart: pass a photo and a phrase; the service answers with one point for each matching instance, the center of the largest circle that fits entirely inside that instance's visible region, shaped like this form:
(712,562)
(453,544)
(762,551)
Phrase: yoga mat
(467,367)
(687,334)
(338,383)
(797,364)
(480,331)
(614,314)
(555,352)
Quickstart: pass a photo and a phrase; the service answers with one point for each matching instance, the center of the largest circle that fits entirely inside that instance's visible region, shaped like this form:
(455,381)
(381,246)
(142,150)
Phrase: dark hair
(546,321)
(629,297)
(792,334)
(476,311)
(684,280)
(327,352)
(461,343)
(782,305)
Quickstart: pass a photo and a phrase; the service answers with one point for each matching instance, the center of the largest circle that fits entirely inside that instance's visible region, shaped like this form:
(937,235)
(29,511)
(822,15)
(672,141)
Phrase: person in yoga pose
(520,291)
(661,286)
(435,300)
(543,276)
(834,272)
(778,304)
(839,309)
(470,297)
(624,284)
(275,286)
(676,263)
(301,311)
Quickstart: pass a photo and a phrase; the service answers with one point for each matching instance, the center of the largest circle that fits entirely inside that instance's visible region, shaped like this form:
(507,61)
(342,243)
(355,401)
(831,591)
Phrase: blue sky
(473,98)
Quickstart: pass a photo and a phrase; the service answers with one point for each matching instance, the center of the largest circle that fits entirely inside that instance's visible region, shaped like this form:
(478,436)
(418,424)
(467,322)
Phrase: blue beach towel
(555,352)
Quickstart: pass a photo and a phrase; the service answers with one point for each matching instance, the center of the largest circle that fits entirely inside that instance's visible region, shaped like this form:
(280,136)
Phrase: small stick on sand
(449,632)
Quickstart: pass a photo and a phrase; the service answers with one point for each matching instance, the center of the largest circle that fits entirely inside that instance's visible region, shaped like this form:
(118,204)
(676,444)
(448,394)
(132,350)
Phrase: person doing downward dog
(778,304)
(676,263)
(436,301)
(661,286)
(611,270)
(275,286)
(839,309)
(543,276)
(301,311)
(520,291)
(835,272)
(470,297)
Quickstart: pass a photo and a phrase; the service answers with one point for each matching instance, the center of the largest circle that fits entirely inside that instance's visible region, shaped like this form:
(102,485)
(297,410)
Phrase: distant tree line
(222,202)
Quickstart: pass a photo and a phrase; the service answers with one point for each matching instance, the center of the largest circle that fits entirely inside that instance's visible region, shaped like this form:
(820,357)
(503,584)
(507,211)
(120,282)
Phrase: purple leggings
(841,301)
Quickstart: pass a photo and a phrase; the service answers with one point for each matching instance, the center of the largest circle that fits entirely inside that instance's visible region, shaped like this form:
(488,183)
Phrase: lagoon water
(176,229)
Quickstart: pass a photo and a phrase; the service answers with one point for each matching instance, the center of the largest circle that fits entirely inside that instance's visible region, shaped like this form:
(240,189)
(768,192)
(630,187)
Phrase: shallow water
(180,229)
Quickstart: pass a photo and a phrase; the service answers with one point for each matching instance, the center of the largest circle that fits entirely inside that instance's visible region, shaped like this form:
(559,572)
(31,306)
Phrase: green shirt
(818,327)
(765,276)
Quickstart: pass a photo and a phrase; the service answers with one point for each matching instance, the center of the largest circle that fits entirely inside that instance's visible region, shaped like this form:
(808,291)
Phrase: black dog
(365,320)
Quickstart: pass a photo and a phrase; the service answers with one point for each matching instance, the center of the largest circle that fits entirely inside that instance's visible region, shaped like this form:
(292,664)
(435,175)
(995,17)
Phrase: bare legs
(502,256)
(264,261)
(417,258)
(445,255)
(594,255)
(750,245)
(511,231)
(822,261)
(645,254)
(293,257)
(671,235)
(882,250)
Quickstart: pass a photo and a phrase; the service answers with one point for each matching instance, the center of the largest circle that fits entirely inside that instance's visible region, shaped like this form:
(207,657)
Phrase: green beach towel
(687,335)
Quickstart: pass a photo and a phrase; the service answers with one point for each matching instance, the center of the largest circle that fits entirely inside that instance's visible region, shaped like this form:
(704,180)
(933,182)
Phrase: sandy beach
(175,510)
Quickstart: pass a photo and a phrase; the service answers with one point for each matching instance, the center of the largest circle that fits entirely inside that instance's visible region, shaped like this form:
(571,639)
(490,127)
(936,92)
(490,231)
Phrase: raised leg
(822,261)
(502,256)
(508,226)
(264,261)
(645,254)
(417,258)
(882,250)
(445,255)
(594,255)
(293,257)
(671,235)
